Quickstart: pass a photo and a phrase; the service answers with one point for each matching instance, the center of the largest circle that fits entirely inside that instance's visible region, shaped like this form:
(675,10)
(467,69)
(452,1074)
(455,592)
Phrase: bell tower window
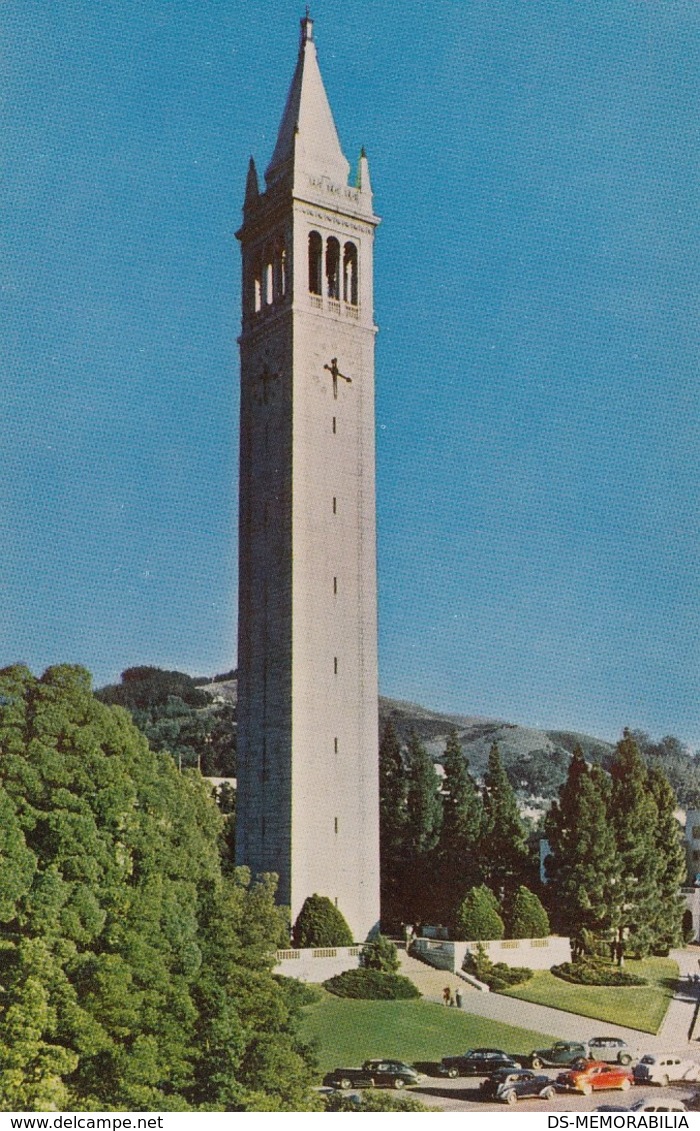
(281,265)
(257,284)
(333,267)
(315,264)
(269,277)
(350,274)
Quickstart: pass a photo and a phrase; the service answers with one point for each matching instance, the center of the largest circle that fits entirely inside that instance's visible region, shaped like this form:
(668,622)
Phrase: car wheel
(548,1094)
(663,1082)
(510,1098)
(398,1083)
(625,1086)
(536,1062)
(586,1089)
(452,1073)
(345,1083)
(625,1058)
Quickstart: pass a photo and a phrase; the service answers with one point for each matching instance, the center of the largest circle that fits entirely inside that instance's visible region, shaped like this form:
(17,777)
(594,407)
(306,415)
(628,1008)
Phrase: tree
(458,865)
(393,788)
(320,923)
(423,822)
(671,863)
(584,868)
(380,954)
(504,841)
(479,916)
(633,817)
(528,918)
(136,976)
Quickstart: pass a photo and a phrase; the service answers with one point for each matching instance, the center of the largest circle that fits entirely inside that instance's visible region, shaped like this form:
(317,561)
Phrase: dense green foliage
(380,953)
(527,918)
(320,923)
(373,1101)
(178,718)
(371,985)
(393,788)
(478,916)
(135,975)
(496,975)
(590,972)
(617,860)
(504,840)
(458,858)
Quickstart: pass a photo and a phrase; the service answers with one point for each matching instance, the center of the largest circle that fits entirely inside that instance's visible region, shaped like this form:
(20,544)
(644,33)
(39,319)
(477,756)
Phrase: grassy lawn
(638,1007)
(349,1032)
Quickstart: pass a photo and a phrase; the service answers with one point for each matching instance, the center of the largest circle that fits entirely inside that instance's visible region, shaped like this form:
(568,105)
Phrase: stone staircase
(428,980)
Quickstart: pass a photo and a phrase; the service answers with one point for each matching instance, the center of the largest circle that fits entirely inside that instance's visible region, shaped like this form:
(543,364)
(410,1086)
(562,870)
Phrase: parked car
(593,1076)
(651,1103)
(561,1053)
(374,1074)
(509,1087)
(611,1049)
(477,1062)
(661,1068)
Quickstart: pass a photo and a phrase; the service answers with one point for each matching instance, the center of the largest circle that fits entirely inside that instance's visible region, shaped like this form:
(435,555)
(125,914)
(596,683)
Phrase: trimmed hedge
(497,976)
(371,985)
(590,973)
(320,923)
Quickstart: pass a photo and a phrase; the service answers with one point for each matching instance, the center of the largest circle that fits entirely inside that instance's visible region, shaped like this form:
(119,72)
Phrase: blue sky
(536,289)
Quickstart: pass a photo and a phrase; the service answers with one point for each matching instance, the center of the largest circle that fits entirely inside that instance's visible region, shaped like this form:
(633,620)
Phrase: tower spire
(307,141)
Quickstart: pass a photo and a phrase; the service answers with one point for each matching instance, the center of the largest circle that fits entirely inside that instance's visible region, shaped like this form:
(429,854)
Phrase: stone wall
(315,964)
(538,954)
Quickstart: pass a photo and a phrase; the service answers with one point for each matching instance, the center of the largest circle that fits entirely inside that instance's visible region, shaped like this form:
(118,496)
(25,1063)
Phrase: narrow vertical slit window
(336,832)
(335,505)
(268,277)
(335,586)
(334,426)
(257,285)
(335,665)
(335,745)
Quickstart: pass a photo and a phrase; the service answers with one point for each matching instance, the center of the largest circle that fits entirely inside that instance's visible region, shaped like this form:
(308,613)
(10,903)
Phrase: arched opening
(333,268)
(281,265)
(350,274)
(269,277)
(315,264)
(257,284)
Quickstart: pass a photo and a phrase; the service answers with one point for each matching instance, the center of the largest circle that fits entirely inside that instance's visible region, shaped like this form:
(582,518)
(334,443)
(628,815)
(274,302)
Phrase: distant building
(308,794)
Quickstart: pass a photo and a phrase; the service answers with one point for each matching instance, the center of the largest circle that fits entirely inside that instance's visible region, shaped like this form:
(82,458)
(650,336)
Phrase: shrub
(380,954)
(298,993)
(497,976)
(528,918)
(371,985)
(373,1101)
(592,972)
(478,917)
(320,923)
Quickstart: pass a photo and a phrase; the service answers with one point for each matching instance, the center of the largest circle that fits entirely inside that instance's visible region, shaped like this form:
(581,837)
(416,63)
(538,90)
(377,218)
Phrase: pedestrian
(458,999)
(446,995)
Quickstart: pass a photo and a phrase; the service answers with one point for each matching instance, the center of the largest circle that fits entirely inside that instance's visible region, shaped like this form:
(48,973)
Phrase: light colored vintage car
(661,1068)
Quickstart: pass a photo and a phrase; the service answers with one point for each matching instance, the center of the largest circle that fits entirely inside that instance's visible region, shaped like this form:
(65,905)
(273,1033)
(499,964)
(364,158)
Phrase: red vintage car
(588,1076)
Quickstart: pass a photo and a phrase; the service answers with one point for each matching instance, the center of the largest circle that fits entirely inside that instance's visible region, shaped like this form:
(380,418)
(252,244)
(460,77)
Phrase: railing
(319,952)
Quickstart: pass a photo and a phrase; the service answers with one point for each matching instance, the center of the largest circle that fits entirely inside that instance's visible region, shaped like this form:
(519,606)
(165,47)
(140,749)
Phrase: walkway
(673,1036)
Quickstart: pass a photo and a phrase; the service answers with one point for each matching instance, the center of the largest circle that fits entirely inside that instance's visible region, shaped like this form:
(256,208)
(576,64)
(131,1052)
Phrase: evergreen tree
(528,918)
(393,788)
(671,864)
(458,865)
(320,923)
(633,817)
(504,849)
(423,823)
(479,916)
(584,869)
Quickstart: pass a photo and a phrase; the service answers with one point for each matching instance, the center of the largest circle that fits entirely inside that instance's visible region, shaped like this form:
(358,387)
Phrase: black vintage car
(561,1054)
(374,1074)
(477,1062)
(509,1087)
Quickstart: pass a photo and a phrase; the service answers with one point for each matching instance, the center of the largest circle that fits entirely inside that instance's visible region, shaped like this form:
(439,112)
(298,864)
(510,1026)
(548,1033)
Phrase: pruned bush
(380,954)
(373,1101)
(371,985)
(528,918)
(478,916)
(591,972)
(298,993)
(497,976)
(320,923)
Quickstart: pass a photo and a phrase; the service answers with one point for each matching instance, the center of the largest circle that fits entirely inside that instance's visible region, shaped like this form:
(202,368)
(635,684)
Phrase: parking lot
(463,1094)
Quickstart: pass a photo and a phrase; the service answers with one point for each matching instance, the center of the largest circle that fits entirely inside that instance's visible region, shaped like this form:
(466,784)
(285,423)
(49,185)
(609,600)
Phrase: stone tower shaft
(307,652)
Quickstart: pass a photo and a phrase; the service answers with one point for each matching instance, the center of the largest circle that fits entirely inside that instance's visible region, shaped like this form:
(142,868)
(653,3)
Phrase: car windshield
(648,1060)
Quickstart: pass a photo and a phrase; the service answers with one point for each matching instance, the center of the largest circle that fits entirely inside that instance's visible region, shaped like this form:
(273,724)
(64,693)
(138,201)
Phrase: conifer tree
(671,863)
(423,823)
(504,841)
(458,864)
(393,788)
(479,917)
(633,817)
(527,918)
(584,869)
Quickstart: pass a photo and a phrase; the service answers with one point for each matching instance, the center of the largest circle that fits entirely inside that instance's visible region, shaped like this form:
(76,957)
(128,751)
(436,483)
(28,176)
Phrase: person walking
(458,999)
(446,995)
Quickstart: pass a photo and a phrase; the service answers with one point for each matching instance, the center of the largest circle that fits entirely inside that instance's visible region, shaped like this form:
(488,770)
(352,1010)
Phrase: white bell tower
(307,647)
